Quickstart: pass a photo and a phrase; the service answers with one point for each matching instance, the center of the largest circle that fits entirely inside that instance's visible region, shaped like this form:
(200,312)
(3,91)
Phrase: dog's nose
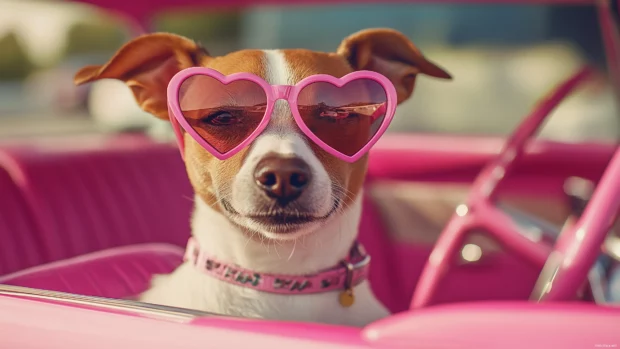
(282,178)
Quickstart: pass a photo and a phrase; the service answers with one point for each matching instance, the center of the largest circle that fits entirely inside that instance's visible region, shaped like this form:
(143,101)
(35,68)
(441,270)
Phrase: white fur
(189,288)
(318,195)
(316,247)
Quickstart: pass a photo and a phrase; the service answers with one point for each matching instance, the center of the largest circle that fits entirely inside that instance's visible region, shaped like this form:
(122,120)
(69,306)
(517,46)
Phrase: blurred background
(504,58)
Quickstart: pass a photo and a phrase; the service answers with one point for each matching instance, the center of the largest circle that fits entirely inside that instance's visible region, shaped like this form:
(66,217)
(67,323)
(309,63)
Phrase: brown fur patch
(392,54)
(304,63)
(146,64)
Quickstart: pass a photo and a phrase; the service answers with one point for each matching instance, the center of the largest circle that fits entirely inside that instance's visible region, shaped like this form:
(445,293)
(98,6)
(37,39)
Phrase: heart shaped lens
(224,115)
(345,118)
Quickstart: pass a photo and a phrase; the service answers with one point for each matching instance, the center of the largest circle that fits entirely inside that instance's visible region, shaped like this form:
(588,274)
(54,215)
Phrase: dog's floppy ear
(392,54)
(146,64)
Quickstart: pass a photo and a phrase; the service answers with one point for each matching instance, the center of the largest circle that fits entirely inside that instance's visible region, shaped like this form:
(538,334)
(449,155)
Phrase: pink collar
(343,277)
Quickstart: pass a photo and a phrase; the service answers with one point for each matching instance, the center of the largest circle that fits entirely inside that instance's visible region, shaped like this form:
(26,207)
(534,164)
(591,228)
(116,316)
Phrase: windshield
(503,59)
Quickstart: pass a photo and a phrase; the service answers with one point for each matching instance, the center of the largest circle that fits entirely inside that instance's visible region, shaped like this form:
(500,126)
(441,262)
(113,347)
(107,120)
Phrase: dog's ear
(146,64)
(392,54)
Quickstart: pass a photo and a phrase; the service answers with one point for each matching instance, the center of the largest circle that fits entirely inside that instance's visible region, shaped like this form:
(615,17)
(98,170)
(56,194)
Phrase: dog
(281,208)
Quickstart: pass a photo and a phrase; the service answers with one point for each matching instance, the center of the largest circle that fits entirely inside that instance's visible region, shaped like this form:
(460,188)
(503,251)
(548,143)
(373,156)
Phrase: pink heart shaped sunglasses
(344,116)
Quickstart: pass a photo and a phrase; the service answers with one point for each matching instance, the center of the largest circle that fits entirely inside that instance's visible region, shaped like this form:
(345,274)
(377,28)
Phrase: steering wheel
(578,247)
(567,263)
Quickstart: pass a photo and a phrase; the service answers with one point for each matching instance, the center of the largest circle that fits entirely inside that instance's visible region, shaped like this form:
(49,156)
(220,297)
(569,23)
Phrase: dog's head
(283,185)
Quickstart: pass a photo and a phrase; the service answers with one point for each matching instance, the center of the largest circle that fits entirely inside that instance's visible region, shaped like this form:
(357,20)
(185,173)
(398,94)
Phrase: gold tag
(346,298)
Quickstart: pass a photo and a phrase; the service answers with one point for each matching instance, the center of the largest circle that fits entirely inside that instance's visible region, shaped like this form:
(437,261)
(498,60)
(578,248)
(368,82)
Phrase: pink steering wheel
(578,246)
(573,254)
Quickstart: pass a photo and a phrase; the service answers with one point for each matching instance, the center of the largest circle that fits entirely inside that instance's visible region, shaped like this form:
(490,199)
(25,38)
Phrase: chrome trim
(547,275)
(598,283)
(612,246)
(149,309)
(534,228)
(361,263)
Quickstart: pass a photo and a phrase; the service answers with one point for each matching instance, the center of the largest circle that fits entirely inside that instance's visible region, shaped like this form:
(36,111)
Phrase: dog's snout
(282,178)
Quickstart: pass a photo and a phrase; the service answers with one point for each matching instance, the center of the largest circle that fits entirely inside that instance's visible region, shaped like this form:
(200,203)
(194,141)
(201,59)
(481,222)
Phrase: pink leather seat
(18,246)
(62,201)
(88,195)
(121,272)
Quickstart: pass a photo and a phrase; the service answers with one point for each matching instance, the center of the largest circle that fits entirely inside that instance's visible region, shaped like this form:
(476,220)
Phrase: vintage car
(86,221)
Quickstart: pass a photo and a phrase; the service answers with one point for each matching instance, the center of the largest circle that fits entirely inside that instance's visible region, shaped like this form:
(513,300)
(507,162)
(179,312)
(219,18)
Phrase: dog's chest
(189,288)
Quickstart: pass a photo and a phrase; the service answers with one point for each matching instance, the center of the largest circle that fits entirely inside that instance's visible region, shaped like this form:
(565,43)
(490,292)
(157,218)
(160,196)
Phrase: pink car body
(82,230)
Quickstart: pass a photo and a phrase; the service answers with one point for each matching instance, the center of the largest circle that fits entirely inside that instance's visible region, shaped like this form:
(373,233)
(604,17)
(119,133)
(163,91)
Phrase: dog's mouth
(282,220)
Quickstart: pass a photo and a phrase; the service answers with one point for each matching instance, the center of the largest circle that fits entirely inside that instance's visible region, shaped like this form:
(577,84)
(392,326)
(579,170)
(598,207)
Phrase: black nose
(282,178)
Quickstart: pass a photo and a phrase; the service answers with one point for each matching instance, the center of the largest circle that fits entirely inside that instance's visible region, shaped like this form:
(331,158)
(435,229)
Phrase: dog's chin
(281,231)
(279,224)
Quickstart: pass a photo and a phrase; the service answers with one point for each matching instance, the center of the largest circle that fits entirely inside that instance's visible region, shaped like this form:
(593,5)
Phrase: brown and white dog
(233,219)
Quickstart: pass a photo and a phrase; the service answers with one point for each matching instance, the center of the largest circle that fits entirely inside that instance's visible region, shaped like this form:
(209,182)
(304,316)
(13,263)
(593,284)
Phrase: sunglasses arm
(178,132)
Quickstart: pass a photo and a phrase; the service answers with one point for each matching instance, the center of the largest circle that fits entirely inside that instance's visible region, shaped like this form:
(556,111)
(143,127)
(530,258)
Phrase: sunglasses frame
(290,93)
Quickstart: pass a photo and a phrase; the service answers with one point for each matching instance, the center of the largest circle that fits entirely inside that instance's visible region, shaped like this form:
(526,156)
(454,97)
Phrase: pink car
(83,229)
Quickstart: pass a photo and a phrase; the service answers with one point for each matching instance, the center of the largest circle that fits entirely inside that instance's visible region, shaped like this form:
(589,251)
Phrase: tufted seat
(121,272)
(75,198)
(59,201)
(18,248)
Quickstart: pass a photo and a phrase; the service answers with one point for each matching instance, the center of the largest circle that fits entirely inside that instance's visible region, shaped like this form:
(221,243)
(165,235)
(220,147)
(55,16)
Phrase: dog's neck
(313,252)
